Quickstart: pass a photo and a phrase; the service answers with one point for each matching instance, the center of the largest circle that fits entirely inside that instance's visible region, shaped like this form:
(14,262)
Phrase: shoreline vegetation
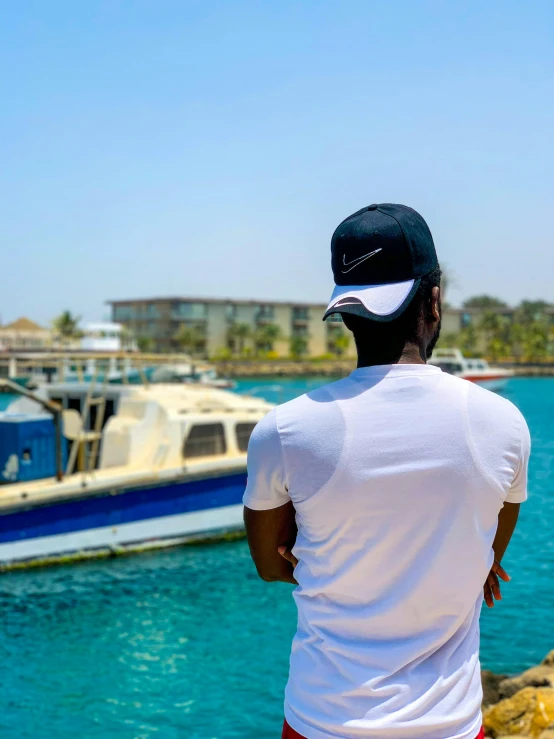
(520,706)
(242,368)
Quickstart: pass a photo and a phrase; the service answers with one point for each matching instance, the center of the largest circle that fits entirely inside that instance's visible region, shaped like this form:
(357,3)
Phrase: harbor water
(190,643)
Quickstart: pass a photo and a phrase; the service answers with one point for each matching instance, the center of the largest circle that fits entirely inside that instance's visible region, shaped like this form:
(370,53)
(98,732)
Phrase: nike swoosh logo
(358,260)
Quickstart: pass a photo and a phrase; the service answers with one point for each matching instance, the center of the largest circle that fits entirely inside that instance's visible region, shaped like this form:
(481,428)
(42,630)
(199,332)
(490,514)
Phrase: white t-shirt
(397,475)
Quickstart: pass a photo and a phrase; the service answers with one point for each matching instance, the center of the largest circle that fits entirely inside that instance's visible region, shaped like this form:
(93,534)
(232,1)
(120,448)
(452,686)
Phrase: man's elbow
(267,574)
(270,578)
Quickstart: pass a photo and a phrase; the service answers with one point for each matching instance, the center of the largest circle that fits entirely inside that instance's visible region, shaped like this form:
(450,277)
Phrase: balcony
(188,311)
(264,314)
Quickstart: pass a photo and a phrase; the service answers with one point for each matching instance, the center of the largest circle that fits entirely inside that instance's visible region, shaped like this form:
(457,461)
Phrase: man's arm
(269,515)
(507,519)
(267,531)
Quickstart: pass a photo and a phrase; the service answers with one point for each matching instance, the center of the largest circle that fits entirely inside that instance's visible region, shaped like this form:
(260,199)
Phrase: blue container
(27,448)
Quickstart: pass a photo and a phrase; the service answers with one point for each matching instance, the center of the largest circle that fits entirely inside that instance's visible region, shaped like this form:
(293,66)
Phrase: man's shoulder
(495,402)
(486,408)
(494,415)
(317,399)
(298,408)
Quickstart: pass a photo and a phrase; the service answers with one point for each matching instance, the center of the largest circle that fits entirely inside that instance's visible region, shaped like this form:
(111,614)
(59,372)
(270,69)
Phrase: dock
(59,366)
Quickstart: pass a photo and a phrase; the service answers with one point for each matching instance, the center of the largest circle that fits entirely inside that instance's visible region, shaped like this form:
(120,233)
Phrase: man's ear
(436,304)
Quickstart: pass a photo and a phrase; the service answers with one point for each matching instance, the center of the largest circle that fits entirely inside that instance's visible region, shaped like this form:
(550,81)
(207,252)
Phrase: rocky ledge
(520,706)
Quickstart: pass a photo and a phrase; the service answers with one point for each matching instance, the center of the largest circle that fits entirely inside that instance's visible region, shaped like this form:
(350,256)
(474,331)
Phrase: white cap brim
(382,302)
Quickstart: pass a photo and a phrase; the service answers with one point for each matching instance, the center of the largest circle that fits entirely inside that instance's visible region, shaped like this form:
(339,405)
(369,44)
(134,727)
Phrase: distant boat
(206,376)
(479,371)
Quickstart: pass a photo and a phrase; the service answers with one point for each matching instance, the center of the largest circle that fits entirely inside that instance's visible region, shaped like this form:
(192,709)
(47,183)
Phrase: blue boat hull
(124,518)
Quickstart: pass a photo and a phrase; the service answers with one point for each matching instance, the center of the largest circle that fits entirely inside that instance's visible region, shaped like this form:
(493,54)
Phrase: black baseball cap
(379,256)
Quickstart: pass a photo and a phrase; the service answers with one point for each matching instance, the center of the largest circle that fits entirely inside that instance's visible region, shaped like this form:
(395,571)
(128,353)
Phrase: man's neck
(411,354)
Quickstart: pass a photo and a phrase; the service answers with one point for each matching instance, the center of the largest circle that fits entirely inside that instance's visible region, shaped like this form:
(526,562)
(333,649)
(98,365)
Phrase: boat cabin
(148,427)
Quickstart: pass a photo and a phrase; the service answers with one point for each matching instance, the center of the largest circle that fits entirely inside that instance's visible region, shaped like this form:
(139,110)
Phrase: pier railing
(81,365)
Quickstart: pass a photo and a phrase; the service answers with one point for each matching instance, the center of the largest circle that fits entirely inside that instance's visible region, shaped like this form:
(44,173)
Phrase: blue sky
(210,148)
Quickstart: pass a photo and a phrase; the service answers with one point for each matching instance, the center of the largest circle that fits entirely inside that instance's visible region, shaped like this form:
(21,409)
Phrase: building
(211,327)
(464,317)
(456,319)
(24,335)
(208,327)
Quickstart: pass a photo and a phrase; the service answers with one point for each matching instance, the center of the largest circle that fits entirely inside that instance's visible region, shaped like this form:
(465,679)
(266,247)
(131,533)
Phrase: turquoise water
(5,400)
(189,643)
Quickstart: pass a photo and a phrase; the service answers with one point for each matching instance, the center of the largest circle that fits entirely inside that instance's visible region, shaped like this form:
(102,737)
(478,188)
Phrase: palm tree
(190,338)
(448,340)
(237,334)
(468,339)
(339,343)
(536,340)
(145,344)
(530,331)
(66,326)
(530,310)
(298,346)
(496,329)
(517,339)
(265,337)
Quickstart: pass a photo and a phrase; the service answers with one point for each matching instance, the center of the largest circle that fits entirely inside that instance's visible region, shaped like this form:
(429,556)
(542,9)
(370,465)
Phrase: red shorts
(289,733)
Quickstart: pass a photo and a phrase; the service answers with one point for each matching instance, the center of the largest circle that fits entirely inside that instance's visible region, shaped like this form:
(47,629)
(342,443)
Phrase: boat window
(110,409)
(244,431)
(205,440)
(74,403)
(450,367)
(108,412)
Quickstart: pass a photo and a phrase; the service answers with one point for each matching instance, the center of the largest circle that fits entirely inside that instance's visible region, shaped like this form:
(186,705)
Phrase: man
(389,497)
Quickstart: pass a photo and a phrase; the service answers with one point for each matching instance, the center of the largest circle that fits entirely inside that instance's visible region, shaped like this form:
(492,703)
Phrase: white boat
(206,376)
(159,465)
(474,370)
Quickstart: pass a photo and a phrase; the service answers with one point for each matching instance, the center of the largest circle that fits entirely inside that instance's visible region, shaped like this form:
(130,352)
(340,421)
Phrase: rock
(529,712)
(549,659)
(536,677)
(491,681)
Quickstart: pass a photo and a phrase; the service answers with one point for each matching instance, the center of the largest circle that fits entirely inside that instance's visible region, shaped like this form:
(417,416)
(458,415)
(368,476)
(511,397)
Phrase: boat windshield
(450,367)
(476,364)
